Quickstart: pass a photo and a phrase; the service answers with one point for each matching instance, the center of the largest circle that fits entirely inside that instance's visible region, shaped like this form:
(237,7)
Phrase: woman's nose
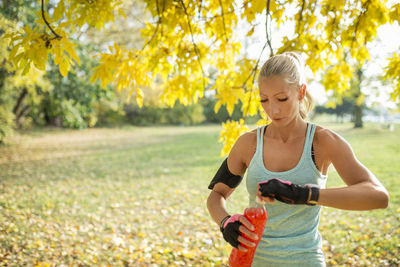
(274,109)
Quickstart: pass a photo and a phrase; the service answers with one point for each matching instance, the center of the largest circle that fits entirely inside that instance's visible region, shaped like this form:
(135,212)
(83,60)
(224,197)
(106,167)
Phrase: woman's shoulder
(328,138)
(247,138)
(245,147)
(247,142)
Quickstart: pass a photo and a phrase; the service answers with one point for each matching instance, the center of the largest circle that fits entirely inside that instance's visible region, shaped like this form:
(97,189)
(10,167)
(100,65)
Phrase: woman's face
(279,100)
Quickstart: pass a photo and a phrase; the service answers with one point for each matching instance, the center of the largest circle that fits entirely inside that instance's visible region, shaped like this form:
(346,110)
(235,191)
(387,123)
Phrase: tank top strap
(309,138)
(307,145)
(260,136)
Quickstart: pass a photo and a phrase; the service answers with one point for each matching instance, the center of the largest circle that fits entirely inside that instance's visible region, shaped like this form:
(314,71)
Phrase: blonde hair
(290,66)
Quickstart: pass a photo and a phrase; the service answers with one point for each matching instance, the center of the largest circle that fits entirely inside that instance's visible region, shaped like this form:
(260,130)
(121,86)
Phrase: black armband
(224,176)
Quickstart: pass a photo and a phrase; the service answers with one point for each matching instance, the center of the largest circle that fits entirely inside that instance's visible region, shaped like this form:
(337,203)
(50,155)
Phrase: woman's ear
(303,89)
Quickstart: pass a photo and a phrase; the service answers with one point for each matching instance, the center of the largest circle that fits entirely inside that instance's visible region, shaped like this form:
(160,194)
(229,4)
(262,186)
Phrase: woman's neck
(293,130)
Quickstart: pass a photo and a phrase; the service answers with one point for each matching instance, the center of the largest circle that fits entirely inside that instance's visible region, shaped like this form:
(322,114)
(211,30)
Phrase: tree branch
(268,35)
(200,7)
(300,17)
(196,50)
(254,70)
(253,73)
(223,20)
(358,22)
(313,8)
(56,36)
(301,13)
(156,30)
(216,16)
(162,15)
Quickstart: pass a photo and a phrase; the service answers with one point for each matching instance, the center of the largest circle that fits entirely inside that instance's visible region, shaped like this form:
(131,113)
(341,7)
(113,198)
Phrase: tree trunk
(50,120)
(358,109)
(21,114)
(19,101)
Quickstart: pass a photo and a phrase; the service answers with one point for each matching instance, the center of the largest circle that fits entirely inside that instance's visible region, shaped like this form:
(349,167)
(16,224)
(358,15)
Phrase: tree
(70,103)
(184,39)
(359,99)
(17,89)
(345,107)
(350,102)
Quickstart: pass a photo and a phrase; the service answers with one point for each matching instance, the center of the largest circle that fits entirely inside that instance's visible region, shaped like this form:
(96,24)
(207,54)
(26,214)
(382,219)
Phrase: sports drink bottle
(257,215)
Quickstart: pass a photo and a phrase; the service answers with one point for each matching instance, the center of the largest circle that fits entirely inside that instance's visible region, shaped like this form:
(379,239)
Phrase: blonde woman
(288,160)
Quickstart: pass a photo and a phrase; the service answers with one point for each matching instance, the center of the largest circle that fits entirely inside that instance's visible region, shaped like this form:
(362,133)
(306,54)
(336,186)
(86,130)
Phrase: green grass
(136,196)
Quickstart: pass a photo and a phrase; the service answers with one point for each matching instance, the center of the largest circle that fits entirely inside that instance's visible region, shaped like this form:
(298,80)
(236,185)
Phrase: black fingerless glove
(289,193)
(230,229)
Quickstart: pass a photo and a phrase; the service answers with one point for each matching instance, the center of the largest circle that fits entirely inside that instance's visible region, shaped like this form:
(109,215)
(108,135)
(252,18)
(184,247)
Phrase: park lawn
(136,196)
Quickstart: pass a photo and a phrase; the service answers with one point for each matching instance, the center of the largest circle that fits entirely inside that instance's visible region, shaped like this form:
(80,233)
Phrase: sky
(389,36)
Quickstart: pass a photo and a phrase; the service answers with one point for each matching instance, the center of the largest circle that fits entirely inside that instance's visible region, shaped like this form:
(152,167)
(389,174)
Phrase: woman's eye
(283,99)
(263,100)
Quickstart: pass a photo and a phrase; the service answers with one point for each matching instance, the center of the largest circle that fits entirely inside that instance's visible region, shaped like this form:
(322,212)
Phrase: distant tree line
(199,113)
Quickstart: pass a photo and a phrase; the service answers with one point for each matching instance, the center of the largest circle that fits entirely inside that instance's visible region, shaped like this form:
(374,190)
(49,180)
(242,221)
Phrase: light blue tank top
(291,236)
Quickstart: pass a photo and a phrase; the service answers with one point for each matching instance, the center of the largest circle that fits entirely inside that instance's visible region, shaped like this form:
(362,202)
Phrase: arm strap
(224,176)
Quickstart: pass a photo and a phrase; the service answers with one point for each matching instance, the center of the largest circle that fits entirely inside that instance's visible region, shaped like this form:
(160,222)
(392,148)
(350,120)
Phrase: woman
(288,160)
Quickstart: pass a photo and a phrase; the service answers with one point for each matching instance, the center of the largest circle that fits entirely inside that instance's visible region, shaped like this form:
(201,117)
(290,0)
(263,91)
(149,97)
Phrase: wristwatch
(314,190)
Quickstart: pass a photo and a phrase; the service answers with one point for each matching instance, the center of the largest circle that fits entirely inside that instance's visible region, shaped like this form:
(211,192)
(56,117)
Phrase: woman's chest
(280,157)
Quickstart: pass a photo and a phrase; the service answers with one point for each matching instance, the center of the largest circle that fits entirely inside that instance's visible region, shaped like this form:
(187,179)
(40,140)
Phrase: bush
(152,115)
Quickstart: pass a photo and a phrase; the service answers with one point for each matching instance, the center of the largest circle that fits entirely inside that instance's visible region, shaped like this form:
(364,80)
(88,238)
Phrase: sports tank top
(291,236)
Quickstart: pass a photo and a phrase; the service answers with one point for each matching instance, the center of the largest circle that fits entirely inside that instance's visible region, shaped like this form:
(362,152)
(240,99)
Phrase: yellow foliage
(94,13)
(230,133)
(392,72)
(31,46)
(360,99)
(64,54)
(28,48)
(395,13)
(187,39)
(24,77)
(183,88)
(251,8)
(226,94)
(338,77)
(250,102)
(262,121)
(30,80)
(125,70)
(190,35)
(6,27)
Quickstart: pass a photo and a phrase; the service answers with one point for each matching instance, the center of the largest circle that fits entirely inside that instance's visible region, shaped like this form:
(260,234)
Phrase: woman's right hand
(233,228)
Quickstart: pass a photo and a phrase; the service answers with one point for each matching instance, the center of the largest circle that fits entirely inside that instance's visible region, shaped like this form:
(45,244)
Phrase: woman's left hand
(283,191)
(267,199)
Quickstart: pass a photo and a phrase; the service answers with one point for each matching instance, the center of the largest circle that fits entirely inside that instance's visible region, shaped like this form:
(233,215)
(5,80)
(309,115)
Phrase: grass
(136,197)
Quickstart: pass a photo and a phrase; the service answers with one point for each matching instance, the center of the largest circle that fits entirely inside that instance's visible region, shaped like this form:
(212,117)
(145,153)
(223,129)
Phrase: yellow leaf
(59,11)
(249,33)
(217,106)
(230,133)
(122,13)
(360,100)
(26,68)
(94,76)
(139,97)
(330,104)
(64,67)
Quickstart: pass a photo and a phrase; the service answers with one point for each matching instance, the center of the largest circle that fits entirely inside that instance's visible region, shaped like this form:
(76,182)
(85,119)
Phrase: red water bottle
(257,215)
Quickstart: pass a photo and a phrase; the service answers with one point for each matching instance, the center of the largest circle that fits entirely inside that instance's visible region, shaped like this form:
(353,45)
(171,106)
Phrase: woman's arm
(363,191)
(220,192)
